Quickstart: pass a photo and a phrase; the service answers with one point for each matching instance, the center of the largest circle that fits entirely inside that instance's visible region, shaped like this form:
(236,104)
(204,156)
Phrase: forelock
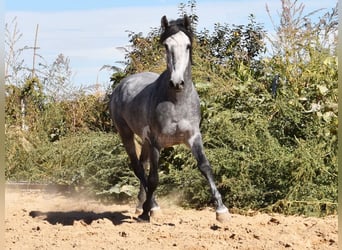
(174,27)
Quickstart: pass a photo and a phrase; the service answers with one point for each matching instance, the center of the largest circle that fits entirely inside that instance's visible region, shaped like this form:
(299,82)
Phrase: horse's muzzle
(177,86)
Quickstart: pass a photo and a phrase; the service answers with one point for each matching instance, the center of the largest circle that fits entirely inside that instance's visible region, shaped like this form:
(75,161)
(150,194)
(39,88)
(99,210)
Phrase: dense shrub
(94,161)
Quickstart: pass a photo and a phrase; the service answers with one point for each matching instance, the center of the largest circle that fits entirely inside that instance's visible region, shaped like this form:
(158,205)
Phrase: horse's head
(177,38)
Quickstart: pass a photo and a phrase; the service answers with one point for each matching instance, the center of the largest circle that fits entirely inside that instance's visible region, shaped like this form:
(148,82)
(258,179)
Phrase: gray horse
(163,110)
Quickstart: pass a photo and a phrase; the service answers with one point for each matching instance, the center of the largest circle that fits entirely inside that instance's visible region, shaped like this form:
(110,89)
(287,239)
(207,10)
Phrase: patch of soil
(40,220)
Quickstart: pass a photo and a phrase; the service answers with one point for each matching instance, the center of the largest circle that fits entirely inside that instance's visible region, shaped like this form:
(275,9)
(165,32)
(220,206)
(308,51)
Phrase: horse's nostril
(172,85)
(182,83)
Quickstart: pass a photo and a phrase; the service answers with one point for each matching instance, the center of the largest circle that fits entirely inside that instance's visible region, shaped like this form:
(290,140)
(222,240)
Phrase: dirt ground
(41,220)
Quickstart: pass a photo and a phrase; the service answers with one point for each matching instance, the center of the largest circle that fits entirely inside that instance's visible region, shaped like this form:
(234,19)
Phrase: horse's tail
(110,101)
(111,109)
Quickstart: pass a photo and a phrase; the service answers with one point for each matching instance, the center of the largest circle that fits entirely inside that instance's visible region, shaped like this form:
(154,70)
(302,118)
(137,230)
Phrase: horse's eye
(166,47)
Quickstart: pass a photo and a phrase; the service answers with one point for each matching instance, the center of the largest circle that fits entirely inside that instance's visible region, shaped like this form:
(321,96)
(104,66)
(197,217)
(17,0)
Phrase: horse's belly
(168,140)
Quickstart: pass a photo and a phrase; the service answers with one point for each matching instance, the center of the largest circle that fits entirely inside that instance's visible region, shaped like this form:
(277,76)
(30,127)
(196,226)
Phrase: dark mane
(174,27)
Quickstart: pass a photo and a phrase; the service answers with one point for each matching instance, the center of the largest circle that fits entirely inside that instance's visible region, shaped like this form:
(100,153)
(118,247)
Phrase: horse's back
(130,87)
(128,99)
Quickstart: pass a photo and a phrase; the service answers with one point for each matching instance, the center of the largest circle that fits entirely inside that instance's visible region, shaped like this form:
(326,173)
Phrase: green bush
(94,161)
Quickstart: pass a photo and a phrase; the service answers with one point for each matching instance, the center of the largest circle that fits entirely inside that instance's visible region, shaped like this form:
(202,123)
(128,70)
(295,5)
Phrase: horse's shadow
(68,218)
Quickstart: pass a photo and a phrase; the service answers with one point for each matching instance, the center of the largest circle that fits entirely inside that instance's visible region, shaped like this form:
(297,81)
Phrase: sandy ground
(40,220)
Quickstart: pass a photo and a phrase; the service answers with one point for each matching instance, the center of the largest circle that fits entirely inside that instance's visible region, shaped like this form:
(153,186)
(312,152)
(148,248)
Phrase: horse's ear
(164,22)
(187,22)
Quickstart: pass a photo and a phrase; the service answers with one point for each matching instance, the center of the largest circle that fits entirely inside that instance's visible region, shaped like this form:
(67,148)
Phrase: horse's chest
(175,133)
(173,125)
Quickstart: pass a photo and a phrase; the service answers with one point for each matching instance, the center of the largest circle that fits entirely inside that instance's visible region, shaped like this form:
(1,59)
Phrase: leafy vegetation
(269,118)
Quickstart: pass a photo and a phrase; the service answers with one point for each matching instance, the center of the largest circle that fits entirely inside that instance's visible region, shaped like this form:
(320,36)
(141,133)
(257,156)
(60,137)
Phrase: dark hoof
(143,218)
(223,215)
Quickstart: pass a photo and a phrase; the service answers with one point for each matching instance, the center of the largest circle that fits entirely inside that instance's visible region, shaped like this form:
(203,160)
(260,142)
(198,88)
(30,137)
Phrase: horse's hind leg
(144,161)
(127,137)
(152,183)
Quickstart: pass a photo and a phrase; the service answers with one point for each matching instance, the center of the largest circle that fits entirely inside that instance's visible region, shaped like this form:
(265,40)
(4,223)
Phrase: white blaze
(178,55)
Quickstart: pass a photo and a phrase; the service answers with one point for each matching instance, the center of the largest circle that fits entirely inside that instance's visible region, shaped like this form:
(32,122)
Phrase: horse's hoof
(143,218)
(223,216)
(155,212)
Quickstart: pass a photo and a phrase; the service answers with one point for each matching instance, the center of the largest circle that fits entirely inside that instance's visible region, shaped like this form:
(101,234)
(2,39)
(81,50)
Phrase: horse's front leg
(152,183)
(197,149)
